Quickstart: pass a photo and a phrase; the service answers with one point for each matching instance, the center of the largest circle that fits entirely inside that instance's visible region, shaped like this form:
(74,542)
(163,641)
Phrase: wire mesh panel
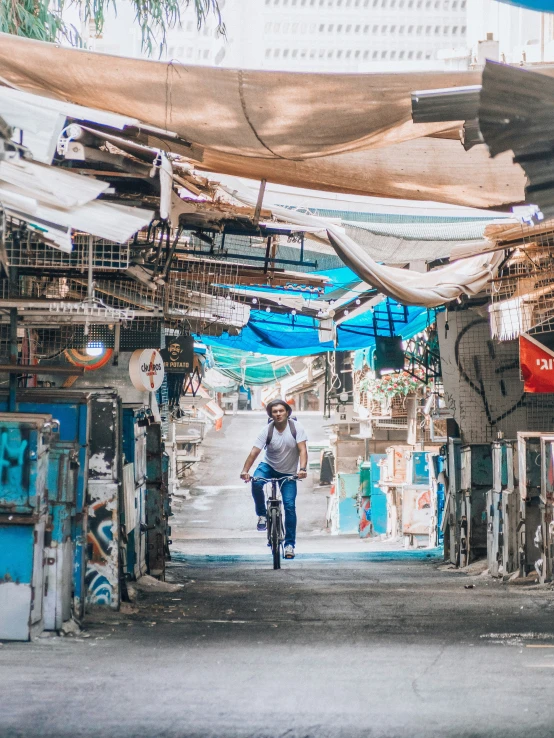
(198,294)
(482,385)
(253,249)
(141,333)
(25,249)
(522,295)
(48,344)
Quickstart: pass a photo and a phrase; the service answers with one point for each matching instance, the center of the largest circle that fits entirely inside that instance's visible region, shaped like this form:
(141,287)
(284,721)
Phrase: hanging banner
(178,357)
(146,370)
(537,365)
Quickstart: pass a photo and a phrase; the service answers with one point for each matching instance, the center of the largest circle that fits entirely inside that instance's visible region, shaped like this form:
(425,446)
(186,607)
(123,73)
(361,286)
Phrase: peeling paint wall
(103,509)
(24,454)
(102,574)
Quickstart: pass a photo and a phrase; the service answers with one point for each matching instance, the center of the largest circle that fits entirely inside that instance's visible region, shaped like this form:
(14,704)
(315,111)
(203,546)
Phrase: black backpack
(271,428)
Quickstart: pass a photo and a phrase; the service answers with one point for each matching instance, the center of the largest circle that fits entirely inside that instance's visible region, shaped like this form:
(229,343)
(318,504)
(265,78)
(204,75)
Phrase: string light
(254,300)
(358,302)
(268,309)
(293,312)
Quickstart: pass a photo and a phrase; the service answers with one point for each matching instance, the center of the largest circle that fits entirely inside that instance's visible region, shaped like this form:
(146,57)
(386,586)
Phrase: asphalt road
(344,643)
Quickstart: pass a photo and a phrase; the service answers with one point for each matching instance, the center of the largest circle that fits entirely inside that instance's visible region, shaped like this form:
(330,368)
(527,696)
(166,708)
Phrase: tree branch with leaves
(44,19)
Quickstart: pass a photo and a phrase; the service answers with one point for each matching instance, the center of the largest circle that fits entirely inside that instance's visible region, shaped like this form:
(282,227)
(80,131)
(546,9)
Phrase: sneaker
(262,523)
(289,552)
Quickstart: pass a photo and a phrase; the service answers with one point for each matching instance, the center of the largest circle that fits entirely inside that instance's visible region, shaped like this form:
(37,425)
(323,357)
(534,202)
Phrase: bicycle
(275,528)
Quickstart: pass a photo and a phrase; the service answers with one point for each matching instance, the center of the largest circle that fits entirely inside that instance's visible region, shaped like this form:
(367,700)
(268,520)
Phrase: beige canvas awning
(342,132)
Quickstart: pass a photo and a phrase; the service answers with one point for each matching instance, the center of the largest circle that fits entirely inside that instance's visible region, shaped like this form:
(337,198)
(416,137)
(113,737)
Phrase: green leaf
(43,19)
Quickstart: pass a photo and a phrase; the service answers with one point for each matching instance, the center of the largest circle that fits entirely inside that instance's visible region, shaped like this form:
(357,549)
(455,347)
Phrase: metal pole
(90,286)
(258,209)
(12,403)
(267,254)
(117,343)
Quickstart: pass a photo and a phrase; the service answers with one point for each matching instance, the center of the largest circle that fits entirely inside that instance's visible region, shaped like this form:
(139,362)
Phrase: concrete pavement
(346,641)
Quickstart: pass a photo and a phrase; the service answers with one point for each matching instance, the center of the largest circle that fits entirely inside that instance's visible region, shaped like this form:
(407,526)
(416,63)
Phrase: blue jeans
(288,493)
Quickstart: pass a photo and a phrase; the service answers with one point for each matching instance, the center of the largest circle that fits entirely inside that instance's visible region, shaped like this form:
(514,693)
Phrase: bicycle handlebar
(282,479)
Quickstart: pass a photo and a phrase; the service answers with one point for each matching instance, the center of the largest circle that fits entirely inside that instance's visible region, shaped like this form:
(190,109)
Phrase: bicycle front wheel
(275,538)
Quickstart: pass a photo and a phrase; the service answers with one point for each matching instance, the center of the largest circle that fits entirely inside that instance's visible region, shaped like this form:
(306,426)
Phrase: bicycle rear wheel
(275,538)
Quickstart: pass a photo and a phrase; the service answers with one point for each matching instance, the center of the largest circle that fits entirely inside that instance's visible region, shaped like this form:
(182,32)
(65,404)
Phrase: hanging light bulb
(293,312)
(254,300)
(268,309)
(346,312)
(94,348)
(358,302)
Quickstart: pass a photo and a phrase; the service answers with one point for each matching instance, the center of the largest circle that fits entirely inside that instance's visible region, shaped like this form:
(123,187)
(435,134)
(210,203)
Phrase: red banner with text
(537,365)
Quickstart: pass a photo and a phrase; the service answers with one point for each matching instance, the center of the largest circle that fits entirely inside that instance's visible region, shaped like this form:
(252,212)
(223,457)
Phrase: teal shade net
(244,367)
(298,335)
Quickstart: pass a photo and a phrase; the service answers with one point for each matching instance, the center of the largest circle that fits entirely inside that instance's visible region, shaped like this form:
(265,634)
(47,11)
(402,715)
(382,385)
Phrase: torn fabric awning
(347,132)
(430,289)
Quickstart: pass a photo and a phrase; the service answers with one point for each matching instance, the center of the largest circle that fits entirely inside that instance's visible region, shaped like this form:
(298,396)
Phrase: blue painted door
(420,466)
(378,496)
(348,488)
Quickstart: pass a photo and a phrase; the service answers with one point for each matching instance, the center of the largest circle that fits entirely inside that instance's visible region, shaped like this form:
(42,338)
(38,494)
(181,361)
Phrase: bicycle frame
(275,528)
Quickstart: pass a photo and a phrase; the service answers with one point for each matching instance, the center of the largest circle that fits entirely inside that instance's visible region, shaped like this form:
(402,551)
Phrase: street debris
(149,584)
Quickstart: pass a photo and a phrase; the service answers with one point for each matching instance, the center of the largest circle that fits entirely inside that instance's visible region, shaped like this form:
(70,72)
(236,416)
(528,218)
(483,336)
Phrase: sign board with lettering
(146,369)
(178,357)
(537,365)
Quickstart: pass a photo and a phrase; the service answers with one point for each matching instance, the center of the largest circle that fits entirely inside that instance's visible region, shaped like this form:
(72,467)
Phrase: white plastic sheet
(430,289)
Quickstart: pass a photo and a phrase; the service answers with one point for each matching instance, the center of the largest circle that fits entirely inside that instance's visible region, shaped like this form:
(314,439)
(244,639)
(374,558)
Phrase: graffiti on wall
(102,569)
(482,382)
(99,587)
(100,537)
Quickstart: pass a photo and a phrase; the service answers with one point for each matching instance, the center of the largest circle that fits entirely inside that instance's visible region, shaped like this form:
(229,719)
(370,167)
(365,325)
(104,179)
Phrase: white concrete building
(354,35)
(309,35)
(348,35)
(507,33)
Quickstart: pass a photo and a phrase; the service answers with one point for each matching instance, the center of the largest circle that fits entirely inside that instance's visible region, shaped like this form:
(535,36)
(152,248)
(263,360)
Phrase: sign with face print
(178,357)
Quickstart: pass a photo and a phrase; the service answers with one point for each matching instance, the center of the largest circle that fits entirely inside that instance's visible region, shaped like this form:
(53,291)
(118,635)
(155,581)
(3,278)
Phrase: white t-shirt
(282,453)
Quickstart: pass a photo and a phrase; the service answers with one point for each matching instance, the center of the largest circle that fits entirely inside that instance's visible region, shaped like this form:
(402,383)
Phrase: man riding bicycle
(284,440)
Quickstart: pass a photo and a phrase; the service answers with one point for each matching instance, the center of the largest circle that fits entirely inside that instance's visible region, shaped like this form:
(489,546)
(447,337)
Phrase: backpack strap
(271,428)
(292,427)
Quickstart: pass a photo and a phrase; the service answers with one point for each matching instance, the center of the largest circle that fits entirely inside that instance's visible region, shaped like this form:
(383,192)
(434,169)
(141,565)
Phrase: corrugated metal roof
(516,113)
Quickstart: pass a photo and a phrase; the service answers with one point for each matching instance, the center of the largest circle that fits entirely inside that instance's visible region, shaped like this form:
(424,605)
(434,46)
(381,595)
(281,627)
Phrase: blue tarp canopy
(297,335)
(340,278)
(545,5)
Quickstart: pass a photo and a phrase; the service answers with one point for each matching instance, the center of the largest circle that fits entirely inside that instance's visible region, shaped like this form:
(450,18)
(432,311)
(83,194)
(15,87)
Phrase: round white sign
(146,369)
